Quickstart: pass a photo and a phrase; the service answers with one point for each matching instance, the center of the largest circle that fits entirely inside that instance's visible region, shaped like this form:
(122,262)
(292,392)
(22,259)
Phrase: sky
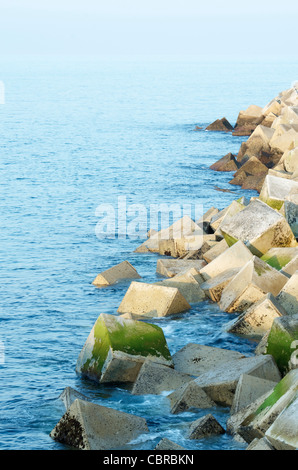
(142,27)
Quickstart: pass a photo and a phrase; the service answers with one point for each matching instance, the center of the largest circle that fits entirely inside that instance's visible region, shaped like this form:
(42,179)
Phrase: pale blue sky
(264,27)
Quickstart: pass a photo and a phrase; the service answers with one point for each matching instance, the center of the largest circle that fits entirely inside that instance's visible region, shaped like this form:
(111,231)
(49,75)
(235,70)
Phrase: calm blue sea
(76,133)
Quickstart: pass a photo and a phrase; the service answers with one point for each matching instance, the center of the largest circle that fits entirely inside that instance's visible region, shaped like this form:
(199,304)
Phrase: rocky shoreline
(245,258)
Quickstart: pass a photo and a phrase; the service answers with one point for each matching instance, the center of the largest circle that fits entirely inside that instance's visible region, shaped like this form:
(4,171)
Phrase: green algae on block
(229,239)
(283,341)
(132,341)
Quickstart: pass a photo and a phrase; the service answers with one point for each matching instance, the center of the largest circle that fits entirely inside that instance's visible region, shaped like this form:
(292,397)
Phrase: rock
(220,382)
(254,182)
(251,116)
(245,130)
(288,296)
(217,219)
(281,142)
(116,349)
(69,395)
(291,267)
(214,287)
(289,116)
(177,230)
(259,421)
(262,346)
(189,396)
(204,221)
(275,106)
(279,258)
(290,160)
(258,142)
(215,251)
(226,215)
(155,378)
(220,125)
(206,426)
(282,342)
(115,274)
(291,216)
(254,280)
(248,390)
(260,444)
(87,426)
(172,267)
(283,434)
(252,167)
(260,226)
(258,319)
(166,444)
(187,285)
(152,300)
(196,359)
(275,191)
(226,163)
(235,257)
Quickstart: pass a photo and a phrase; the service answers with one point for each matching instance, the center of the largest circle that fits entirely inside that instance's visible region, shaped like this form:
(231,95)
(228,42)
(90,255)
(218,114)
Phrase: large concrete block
(251,116)
(260,444)
(283,434)
(171,267)
(258,319)
(279,258)
(206,426)
(261,227)
(153,301)
(225,215)
(87,426)
(69,395)
(215,251)
(252,167)
(187,285)
(177,230)
(290,160)
(189,396)
(204,221)
(291,267)
(196,359)
(220,383)
(248,390)
(155,378)
(116,349)
(115,274)
(254,280)
(166,444)
(288,296)
(282,141)
(260,420)
(291,215)
(282,342)
(215,286)
(234,257)
(275,190)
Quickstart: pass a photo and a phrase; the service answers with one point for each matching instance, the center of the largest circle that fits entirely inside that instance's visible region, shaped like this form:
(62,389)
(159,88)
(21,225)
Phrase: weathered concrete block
(260,444)
(262,345)
(283,434)
(252,167)
(226,163)
(195,359)
(282,141)
(115,274)
(172,267)
(87,426)
(254,280)
(155,378)
(291,267)
(235,257)
(177,230)
(153,301)
(166,444)
(275,191)
(205,427)
(189,396)
(69,395)
(215,251)
(187,285)
(225,215)
(252,115)
(278,258)
(282,342)
(215,286)
(204,221)
(291,216)
(290,160)
(220,125)
(258,422)
(116,349)
(220,383)
(248,390)
(258,319)
(261,227)
(288,296)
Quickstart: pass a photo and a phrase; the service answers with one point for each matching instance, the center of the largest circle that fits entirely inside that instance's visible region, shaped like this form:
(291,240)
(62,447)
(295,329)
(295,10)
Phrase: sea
(76,135)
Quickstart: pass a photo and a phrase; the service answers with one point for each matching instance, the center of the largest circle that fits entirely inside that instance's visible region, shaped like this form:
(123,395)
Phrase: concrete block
(248,390)
(282,342)
(206,426)
(288,296)
(189,396)
(215,286)
(172,267)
